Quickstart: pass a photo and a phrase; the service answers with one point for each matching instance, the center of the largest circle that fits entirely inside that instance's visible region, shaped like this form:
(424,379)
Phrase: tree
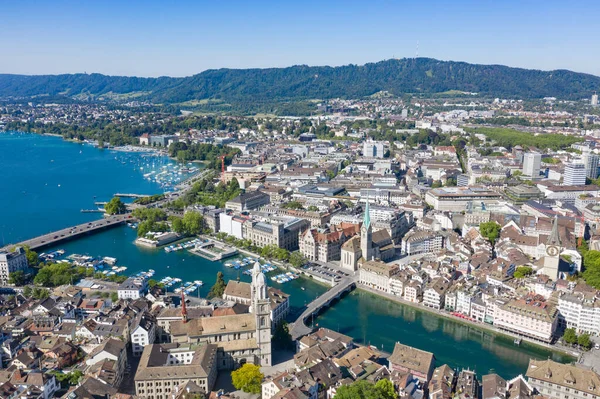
(523,271)
(218,289)
(363,389)
(297,259)
(591,263)
(584,341)
(436,184)
(570,337)
(248,378)
(115,206)
(32,256)
(177,225)
(114,297)
(490,230)
(16,278)
(192,223)
(27,291)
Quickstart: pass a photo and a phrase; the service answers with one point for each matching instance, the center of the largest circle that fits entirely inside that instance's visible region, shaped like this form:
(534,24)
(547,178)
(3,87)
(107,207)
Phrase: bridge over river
(299,327)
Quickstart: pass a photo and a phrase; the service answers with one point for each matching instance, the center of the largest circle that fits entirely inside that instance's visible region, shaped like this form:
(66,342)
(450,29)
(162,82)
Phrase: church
(240,338)
(553,250)
(368,246)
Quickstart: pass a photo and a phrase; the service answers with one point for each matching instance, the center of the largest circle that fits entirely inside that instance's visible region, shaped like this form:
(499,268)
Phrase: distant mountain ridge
(301,82)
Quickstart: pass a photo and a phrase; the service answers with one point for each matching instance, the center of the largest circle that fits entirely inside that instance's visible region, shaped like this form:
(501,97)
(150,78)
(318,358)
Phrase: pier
(73,232)
(129,195)
(299,327)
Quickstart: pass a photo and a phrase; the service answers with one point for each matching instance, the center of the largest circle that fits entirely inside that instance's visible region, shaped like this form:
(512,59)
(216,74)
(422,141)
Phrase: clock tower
(553,250)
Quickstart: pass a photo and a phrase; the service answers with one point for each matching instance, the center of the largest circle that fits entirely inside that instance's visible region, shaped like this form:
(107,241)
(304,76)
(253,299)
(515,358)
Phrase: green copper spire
(367,218)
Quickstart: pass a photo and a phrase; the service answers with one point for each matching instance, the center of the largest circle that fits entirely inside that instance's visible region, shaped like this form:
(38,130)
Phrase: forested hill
(422,75)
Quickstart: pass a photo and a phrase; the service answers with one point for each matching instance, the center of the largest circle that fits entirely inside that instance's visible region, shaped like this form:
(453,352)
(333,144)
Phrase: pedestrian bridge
(299,327)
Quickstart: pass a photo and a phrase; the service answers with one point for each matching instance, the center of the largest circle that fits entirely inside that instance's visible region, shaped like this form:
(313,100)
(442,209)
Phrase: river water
(47,181)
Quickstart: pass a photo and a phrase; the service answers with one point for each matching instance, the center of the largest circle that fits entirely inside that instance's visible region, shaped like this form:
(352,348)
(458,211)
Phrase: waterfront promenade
(299,327)
(70,233)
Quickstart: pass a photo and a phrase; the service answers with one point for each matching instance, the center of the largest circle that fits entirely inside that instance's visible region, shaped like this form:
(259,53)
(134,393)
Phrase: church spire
(554,238)
(183,309)
(367,217)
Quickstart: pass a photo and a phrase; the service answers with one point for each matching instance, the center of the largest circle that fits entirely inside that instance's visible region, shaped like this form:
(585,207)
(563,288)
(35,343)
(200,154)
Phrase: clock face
(552,250)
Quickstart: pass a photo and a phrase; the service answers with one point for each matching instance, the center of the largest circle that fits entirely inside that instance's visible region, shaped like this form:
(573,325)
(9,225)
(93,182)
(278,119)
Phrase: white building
(575,174)
(580,312)
(232,224)
(434,295)
(12,262)
(132,288)
(373,149)
(143,332)
(528,317)
(591,162)
(376,274)
(531,164)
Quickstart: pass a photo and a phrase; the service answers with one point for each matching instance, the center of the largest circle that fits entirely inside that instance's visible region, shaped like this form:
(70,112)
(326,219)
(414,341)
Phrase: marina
(213,250)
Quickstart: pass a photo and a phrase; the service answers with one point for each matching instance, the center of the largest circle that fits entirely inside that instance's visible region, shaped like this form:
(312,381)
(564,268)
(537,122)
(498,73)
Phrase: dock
(129,195)
(70,233)
(213,250)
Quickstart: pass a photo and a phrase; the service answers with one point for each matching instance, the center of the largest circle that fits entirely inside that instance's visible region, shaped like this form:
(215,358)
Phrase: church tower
(553,250)
(366,235)
(261,307)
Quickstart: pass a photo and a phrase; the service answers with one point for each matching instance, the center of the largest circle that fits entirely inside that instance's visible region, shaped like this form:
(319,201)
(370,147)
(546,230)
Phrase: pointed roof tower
(183,309)
(554,238)
(367,217)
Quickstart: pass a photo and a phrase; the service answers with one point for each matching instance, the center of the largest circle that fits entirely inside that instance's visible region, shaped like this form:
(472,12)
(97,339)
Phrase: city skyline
(144,39)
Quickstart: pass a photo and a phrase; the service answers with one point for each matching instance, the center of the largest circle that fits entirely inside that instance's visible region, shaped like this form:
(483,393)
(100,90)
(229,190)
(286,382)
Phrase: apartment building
(531,317)
(435,293)
(562,381)
(420,242)
(376,274)
(581,312)
(164,367)
(12,262)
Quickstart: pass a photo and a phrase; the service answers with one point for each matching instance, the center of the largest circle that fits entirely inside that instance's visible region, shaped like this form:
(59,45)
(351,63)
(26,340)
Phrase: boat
(303,289)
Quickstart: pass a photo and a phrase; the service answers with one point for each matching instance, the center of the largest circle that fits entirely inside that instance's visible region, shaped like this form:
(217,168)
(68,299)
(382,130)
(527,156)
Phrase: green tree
(114,297)
(177,225)
(115,206)
(32,256)
(569,336)
(292,205)
(591,263)
(436,184)
(584,341)
(523,271)
(40,293)
(386,388)
(218,289)
(192,223)
(490,230)
(297,259)
(27,291)
(17,278)
(364,389)
(248,378)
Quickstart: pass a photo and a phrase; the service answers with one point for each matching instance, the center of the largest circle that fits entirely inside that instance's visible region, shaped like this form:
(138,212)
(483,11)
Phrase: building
(111,350)
(406,359)
(553,250)
(530,317)
(232,224)
(531,164)
(376,274)
(421,242)
(562,381)
(281,234)
(457,199)
(157,141)
(568,193)
(12,262)
(143,333)
(324,246)
(164,367)
(580,311)
(373,149)
(591,162)
(575,174)
(240,338)
(248,201)
(132,288)
(241,292)
(435,293)
(594,101)
(442,383)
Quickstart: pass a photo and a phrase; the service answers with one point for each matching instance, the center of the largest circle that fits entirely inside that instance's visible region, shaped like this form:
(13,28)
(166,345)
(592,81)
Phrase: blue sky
(180,38)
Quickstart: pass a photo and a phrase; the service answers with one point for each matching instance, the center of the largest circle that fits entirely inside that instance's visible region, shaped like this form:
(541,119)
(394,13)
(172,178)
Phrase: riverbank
(476,325)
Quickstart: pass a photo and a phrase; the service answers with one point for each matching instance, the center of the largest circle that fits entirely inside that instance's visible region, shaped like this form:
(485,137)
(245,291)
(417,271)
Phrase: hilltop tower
(261,307)
(366,235)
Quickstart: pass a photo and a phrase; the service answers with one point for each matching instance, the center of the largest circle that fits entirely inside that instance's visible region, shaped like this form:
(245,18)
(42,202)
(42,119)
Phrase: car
(55,237)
